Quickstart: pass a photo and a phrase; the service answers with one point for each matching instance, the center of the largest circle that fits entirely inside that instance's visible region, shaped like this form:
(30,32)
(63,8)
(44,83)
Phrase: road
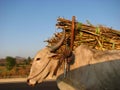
(47,85)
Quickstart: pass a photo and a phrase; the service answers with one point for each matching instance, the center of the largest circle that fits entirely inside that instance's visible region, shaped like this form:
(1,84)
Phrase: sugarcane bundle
(98,37)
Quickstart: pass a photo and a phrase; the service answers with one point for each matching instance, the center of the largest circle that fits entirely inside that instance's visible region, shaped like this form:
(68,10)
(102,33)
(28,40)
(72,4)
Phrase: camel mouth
(31,83)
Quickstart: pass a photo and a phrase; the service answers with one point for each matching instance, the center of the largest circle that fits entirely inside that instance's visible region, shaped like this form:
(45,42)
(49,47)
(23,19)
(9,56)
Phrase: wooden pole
(72,32)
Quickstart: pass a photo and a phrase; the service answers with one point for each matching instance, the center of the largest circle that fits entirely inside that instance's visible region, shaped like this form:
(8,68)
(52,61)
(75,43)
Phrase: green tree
(10,62)
(27,61)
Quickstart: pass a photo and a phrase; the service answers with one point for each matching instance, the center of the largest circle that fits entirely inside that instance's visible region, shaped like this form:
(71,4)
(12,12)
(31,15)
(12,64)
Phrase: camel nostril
(28,81)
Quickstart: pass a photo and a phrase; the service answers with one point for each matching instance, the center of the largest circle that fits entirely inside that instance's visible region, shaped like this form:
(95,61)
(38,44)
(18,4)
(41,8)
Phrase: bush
(10,62)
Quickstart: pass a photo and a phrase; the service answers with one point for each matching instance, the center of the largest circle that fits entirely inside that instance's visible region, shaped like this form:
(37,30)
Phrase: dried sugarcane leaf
(98,37)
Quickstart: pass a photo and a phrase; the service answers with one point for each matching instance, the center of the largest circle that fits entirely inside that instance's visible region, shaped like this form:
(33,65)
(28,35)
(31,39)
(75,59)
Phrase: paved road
(48,85)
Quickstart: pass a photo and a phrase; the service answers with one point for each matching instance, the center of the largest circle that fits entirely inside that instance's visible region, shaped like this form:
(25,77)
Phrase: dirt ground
(20,84)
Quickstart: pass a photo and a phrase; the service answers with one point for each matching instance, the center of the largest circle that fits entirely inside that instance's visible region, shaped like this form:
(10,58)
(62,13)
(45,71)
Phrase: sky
(25,24)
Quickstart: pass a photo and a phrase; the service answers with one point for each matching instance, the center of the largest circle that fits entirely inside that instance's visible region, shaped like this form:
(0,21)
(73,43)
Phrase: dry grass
(21,71)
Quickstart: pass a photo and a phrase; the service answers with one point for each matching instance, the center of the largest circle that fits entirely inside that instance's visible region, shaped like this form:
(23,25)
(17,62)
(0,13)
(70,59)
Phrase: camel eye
(37,59)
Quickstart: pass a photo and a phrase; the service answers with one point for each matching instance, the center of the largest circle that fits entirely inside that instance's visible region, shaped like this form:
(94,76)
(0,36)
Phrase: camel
(91,69)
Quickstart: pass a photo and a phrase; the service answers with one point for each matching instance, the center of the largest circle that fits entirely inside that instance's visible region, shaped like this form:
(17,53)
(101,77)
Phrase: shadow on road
(48,85)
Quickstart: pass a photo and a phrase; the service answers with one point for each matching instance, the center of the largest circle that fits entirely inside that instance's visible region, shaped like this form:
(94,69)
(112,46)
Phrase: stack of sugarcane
(98,37)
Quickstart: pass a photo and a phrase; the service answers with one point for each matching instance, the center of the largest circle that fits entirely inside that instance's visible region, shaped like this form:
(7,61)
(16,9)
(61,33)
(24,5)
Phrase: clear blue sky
(25,24)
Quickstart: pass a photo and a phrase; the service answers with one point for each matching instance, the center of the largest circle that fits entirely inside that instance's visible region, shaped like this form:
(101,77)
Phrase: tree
(10,62)
(27,61)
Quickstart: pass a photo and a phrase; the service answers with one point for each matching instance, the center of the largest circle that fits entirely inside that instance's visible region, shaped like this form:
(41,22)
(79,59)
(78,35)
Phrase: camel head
(44,63)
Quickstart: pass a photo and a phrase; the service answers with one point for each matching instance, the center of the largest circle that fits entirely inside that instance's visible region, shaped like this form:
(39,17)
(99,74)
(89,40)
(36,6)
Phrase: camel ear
(52,55)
